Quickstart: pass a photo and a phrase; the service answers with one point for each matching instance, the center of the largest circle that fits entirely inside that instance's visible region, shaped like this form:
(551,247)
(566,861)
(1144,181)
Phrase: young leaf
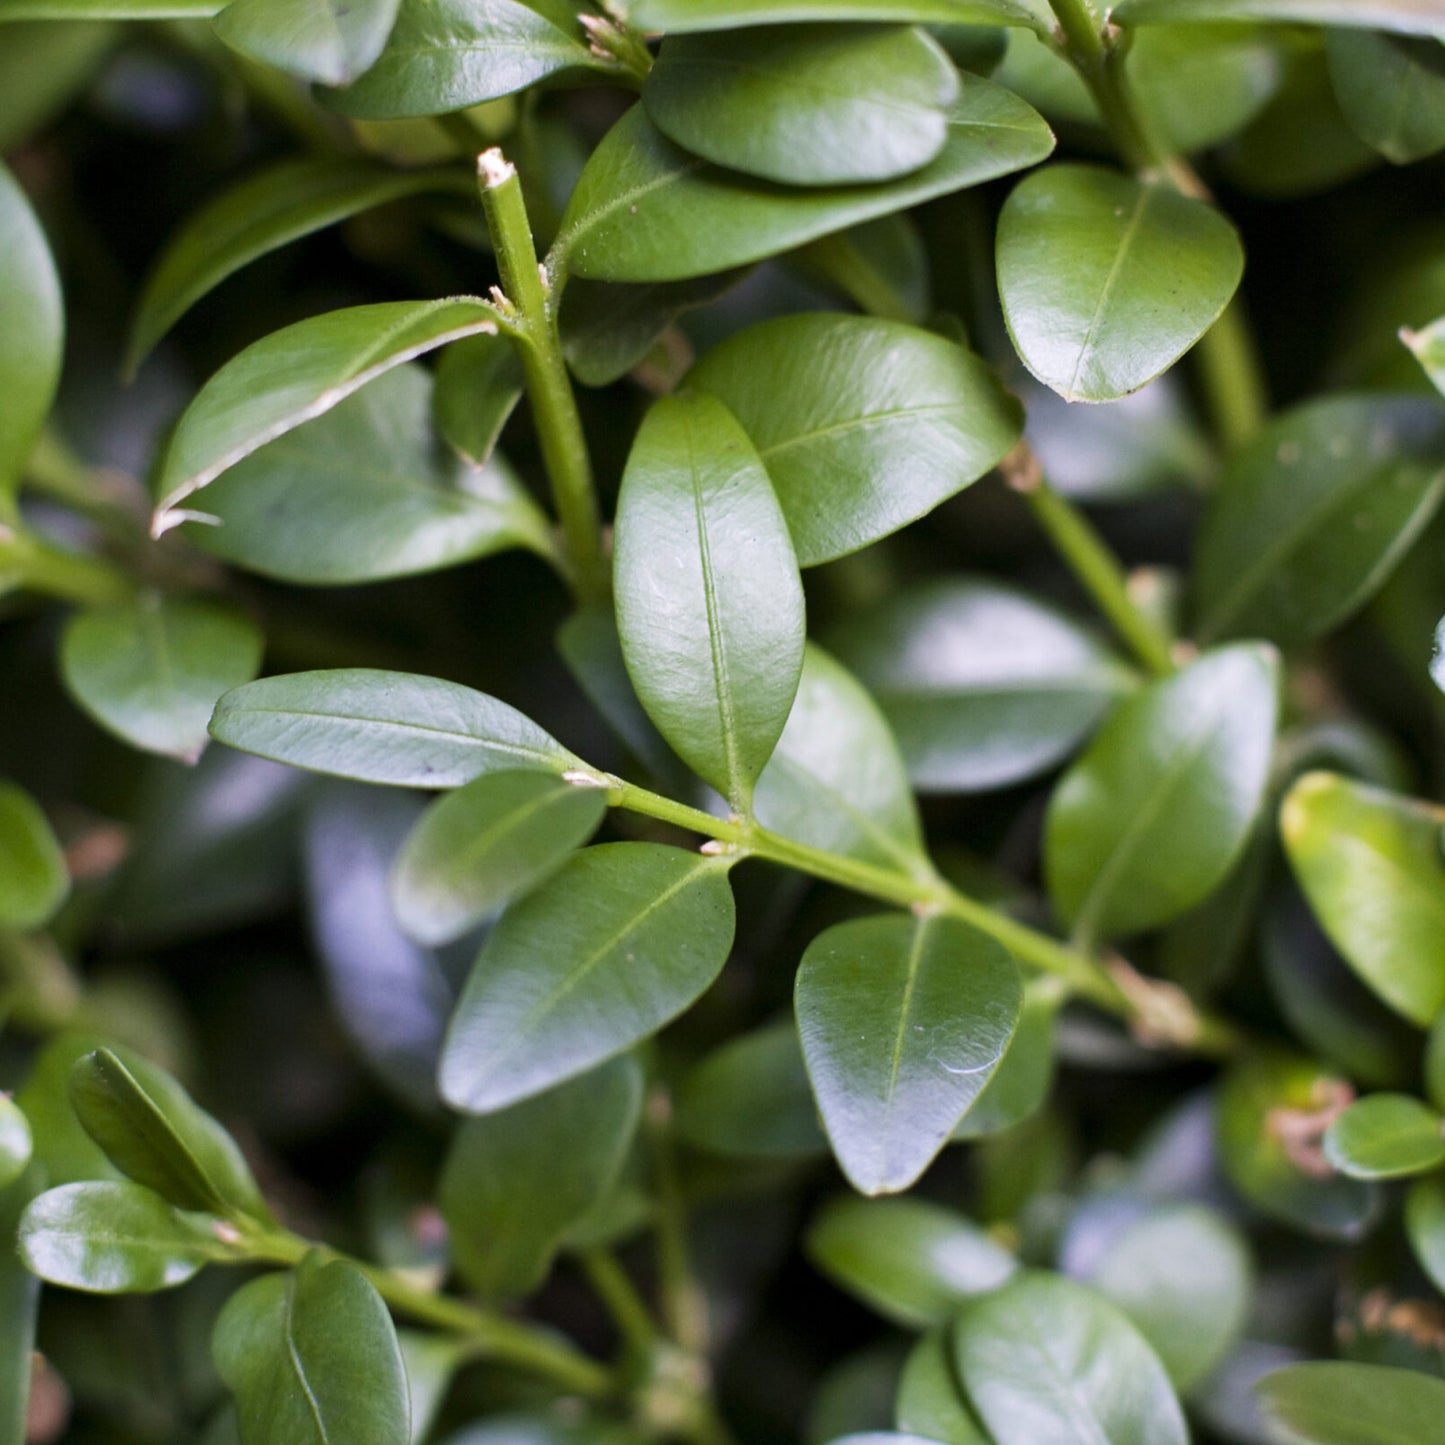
(473,849)
(16,1144)
(296,374)
(1044,1358)
(34,880)
(1386,1136)
(806,105)
(1106,281)
(1314,513)
(709,602)
(982,684)
(863,425)
(150,671)
(1406,17)
(930,1401)
(903,1021)
(1392,91)
(478,385)
(516,1181)
(384,727)
(681,16)
(645,210)
(33,333)
(115,1239)
(616,944)
(1150,819)
(1370,863)
(311,1357)
(1341,1403)
(332,41)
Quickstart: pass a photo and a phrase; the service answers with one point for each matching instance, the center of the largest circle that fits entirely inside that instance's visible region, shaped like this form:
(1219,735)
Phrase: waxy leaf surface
(34,880)
(332,41)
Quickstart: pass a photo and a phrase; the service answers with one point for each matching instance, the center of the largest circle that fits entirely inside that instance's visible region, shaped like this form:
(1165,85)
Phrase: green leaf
(930,1401)
(311,1358)
(982,684)
(384,727)
(1155,812)
(709,602)
(431,1362)
(153,1131)
(1107,281)
(475,848)
(446,55)
(616,944)
(1406,17)
(1339,1403)
(150,671)
(1314,513)
(1425,1225)
(1370,863)
(1386,1136)
(880,424)
(903,1021)
(806,105)
(1391,90)
(267,210)
(106,9)
(645,210)
(364,493)
(19,1304)
(1025,1074)
(835,780)
(43,68)
(332,41)
(478,385)
(63,1149)
(911,1261)
(34,880)
(295,375)
(1429,348)
(691,15)
(33,333)
(16,1144)
(115,1239)
(1044,1358)
(516,1181)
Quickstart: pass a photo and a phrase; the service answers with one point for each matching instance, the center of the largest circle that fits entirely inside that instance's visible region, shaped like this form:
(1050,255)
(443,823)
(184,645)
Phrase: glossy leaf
(693,15)
(983,685)
(1370,863)
(645,210)
(32,336)
(383,727)
(1314,513)
(903,1021)
(1044,1358)
(364,493)
(930,1401)
(33,877)
(295,375)
(806,105)
(1386,1136)
(1154,813)
(1106,281)
(114,1239)
(1021,1083)
(709,602)
(516,1181)
(619,942)
(1428,346)
(332,41)
(311,1357)
(911,1261)
(881,424)
(150,671)
(479,846)
(478,385)
(1392,92)
(1406,17)
(446,55)
(1341,1403)
(16,1144)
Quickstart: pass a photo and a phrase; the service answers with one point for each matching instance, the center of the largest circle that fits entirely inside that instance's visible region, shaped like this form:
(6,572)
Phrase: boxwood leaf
(616,944)
(294,375)
(806,105)
(16,1143)
(645,210)
(1428,345)
(478,385)
(34,881)
(384,727)
(1371,865)
(516,1181)
(1022,1080)
(709,602)
(1336,1402)
(1106,281)
(1391,90)
(692,15)
(878,424)
(332,41)
(930,1400)
(1406,17)
(1044,1358)
(1386,1136)
(311,1357)
(19,1305)
(106,9)
(911,1261)
(982,684)
(1313,514)
(1425,1225)
(903,1021)
(446,55)
(33,335)
(473,849)
(115,1239)
(1153,814)
(150,670)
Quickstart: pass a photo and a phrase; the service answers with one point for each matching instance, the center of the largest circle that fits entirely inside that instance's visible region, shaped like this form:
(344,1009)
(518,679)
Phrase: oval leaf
(1406,17)
(332,41)
(34,880)
(1339,1403)
(1386,1136)
(930,1401)
(1106,281)
(620,941)
(709,602)
(1391,90)
(1425,1226)
(16,1143)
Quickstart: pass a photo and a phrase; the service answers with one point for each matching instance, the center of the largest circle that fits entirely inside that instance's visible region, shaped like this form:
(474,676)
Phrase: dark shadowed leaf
(1340,1403)
(478,384)
(34,880)
(19,1303)
(332,41)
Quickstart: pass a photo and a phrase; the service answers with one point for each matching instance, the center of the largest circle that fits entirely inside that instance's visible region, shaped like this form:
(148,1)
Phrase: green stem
(29,562)
(1232,377)
(528,290)
(615,1289)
